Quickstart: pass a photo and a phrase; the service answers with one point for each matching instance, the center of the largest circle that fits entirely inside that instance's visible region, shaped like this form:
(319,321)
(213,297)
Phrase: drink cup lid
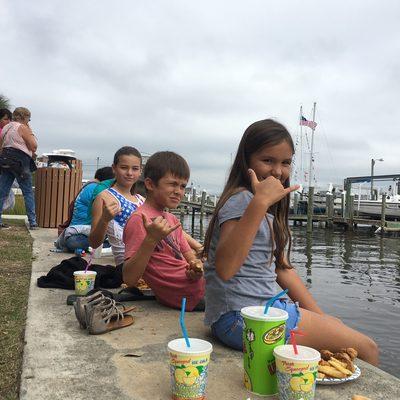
(85,273)
(257,313)
(197,346)
(307,354)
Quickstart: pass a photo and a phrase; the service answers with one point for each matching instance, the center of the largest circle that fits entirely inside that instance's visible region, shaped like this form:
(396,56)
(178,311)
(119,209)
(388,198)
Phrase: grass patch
(15,273)
(19,207)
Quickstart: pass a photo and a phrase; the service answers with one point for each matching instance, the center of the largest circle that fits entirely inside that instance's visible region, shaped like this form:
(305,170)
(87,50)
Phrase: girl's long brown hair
(262,133)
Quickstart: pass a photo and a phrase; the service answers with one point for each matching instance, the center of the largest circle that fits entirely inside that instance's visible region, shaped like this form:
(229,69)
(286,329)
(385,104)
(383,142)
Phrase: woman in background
(18,146)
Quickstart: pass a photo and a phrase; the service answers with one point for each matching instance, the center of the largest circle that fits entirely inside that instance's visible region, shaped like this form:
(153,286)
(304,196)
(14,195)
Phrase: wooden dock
(196,205)
(346,216)
(202,205)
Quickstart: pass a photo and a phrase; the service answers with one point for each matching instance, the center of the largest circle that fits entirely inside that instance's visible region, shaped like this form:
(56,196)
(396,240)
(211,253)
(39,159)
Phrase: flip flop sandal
(71,299)
(132,294)
(100,320)
(96,299)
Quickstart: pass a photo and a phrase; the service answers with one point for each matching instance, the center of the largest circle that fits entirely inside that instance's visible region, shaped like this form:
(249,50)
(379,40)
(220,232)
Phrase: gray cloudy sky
(191,76)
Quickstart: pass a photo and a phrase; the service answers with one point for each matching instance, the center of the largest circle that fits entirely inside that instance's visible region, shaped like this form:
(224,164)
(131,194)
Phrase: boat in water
(373,208)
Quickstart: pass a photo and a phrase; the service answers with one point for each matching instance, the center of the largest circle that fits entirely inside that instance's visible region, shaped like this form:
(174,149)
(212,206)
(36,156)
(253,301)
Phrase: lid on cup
(257,313)
(89,272)
(197,346)
(286,352)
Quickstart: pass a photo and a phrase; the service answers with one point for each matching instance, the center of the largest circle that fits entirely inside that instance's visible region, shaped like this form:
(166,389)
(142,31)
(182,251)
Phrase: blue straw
(182,321)
(272,299)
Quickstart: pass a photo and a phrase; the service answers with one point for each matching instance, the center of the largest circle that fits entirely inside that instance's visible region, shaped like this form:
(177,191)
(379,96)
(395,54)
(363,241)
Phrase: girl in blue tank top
(248,247)
(113,207)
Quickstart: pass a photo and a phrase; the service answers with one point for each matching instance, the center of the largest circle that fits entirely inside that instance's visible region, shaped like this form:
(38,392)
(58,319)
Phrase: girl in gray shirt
(248,247)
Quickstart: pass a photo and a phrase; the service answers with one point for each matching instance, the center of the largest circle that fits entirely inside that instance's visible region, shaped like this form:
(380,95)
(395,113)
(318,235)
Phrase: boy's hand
(194,270)
(159,228)
(199,253)
(110,210)
(270,189)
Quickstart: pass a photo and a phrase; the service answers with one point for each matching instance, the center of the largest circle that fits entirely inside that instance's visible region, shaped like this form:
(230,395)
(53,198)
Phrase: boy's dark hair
(164,162)
(4,112)
(126,151)
(102,174)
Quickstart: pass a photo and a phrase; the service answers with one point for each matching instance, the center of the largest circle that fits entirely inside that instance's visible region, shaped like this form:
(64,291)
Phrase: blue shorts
(229,328)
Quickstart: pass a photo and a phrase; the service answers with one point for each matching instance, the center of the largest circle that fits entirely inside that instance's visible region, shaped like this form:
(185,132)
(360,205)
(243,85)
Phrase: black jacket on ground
(62,276)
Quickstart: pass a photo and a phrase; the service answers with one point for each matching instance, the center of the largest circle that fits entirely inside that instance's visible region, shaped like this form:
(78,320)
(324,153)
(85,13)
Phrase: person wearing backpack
(74,233)
(18,146)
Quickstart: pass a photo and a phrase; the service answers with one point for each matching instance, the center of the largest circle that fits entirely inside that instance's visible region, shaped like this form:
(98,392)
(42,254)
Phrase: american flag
(304,121)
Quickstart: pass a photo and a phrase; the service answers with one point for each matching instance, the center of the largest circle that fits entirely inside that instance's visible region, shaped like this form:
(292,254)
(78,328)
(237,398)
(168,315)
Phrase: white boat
(373,208)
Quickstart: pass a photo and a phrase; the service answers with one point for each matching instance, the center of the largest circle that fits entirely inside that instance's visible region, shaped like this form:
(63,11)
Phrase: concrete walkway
(61,361)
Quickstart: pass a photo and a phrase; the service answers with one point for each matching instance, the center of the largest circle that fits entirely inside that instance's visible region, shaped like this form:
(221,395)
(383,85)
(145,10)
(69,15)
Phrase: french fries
(344,361)
(331,372)
(338,365)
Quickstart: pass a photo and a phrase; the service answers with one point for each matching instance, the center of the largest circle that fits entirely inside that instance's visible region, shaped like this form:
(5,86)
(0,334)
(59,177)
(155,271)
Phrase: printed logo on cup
(274,334)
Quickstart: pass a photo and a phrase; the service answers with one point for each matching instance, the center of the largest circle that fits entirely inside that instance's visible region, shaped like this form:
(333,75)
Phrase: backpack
(71,207)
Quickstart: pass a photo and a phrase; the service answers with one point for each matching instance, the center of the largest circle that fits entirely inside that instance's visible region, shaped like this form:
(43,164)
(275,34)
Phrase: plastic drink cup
(189,368)
(296,373)
(97,251)
(84,282)
(261,334)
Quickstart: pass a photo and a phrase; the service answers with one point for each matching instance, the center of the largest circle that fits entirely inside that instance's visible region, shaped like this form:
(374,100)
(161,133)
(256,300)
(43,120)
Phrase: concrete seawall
(61,361)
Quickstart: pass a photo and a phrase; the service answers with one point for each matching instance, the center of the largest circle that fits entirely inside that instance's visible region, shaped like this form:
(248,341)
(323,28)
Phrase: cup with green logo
(84,282)
(261,334)
(296,371)
(189,368)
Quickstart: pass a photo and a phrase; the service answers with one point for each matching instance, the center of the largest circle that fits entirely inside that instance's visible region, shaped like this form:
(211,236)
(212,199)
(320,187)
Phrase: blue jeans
(25,183)
(229,328)
(78,241)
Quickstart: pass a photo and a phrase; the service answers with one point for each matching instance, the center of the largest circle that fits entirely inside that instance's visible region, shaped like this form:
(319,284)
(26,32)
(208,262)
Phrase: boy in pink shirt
(155,244)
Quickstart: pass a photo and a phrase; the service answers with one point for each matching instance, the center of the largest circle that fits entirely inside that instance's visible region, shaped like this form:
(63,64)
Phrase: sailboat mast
(301,147)
(310,177)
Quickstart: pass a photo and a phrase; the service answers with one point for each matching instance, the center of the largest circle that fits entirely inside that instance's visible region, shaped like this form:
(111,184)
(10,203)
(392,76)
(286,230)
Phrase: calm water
(355,277)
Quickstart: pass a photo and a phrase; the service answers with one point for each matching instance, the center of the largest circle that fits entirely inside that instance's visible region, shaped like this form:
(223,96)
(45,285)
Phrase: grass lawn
(15,273)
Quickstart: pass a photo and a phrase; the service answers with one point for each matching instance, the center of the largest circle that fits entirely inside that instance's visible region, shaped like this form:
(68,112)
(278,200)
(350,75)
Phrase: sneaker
(4,226)
(33,227)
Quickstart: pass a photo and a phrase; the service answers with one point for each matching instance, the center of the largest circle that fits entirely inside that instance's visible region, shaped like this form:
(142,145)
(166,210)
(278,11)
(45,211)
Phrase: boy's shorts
(229,328)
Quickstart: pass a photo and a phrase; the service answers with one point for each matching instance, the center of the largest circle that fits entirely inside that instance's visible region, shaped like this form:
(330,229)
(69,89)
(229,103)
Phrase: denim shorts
(229,328)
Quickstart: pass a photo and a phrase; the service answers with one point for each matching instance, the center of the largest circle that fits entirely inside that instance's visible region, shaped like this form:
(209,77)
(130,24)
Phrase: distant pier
(337,211)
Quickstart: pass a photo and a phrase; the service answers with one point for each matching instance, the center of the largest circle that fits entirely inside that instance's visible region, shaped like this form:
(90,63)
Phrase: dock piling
(203,199)
(329,210)
(310,208)
(383,212)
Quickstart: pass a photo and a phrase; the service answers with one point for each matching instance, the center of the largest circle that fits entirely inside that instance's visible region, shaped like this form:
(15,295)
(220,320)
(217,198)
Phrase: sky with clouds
(191,76)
